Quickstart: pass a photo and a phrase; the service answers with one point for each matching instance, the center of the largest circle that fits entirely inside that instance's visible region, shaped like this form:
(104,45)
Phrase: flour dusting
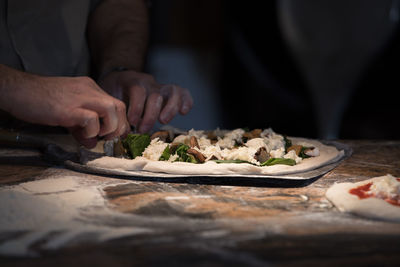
(55,211)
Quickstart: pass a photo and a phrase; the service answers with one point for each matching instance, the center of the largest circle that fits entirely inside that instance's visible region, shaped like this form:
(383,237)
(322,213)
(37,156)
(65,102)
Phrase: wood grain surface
(205,224)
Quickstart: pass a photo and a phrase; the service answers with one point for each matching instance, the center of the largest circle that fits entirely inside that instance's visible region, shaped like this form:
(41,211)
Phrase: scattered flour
(55,211)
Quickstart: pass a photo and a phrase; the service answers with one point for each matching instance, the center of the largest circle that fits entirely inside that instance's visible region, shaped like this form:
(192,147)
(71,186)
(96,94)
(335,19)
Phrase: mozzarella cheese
(240,153)
(155,149)
(292,155)
(388,186)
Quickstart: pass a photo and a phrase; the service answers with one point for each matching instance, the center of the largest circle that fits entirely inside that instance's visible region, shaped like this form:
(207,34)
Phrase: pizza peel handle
(52,152)
(16,139)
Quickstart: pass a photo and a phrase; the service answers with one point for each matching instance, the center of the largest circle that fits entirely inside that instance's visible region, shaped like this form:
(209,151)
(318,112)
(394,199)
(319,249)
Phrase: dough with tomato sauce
(373,204)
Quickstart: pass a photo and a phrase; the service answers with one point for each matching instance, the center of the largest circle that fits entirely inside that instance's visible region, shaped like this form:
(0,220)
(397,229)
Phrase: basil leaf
(230,161)
(166,154)
(302,154)
(135,144)
(181,151)
(288,143)
(275,161)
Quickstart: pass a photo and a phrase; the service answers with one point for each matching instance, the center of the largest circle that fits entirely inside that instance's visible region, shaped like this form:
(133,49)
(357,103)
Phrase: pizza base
(328,154)
(373,208)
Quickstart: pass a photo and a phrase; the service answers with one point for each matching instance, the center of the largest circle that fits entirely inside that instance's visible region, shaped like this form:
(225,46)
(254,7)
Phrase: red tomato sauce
(363,191)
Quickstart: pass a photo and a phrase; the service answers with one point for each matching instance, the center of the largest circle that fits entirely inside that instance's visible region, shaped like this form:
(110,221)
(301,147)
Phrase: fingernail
(165,117)
(122,130)
(159,101)
(185,109)
(144,128)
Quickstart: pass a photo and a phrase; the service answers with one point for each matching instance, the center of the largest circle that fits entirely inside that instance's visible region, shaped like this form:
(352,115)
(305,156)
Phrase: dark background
(196,44)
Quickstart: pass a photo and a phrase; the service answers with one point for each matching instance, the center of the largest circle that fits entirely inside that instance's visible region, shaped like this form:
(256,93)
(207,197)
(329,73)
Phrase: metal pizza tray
(290,180)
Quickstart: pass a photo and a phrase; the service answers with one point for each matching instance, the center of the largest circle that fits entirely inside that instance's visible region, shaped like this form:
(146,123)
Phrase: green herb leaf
(135,144)
(302,154)
(166,154)
(288,143)
(275,161)
(181,151)
(230,161)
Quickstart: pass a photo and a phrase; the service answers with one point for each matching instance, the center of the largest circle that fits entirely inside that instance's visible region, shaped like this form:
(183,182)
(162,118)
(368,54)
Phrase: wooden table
(211,225)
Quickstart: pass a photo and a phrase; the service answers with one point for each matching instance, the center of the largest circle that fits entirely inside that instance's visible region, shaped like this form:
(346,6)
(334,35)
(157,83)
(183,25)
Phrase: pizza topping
(362,191)
(310,152)
(292,155)
(197,154)
(296,148)
(241,153)
(181,151)
(386,188)
(275,161)
(193,142)
(155,150)
(231,139)
(262,148)
(256,143)
(135,144)
(162,135)
(262,155)
(277,153)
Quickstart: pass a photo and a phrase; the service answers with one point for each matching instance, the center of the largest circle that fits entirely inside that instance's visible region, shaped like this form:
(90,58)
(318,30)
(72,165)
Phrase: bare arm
(75,103)
(118,36)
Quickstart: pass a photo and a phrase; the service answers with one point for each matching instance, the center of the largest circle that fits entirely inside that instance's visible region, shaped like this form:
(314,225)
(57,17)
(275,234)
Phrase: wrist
(105,73)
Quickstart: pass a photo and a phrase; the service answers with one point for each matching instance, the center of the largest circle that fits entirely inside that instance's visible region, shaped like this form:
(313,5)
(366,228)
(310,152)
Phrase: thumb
(85,120)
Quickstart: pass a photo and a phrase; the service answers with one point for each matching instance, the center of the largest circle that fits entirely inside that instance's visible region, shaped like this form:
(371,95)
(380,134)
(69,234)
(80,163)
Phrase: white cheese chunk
(278,153)
(255,143)
(388,186)
(292,155)
(231,138)
(155,149)
(211,151)
(197,134)
(240,153)
(182,139)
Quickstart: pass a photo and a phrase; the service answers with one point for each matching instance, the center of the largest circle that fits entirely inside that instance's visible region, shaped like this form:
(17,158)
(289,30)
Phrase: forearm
(11,83)
(118,35)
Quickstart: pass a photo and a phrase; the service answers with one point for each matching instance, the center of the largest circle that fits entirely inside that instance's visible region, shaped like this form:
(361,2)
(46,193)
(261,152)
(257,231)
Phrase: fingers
(78,134)
(178,99)
(187,102)
(85,126)
(85,120)
(113,116)
(137,98)
(174,102)
(152,110)
(123,125)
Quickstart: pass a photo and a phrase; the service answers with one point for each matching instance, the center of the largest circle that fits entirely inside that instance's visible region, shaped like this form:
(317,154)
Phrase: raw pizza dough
(328,154)
(372,207)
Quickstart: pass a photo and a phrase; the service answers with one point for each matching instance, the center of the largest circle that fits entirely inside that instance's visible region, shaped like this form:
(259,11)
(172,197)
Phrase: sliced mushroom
(193,142)
(163,135)
(296,148)
(212,136)
(262,155)
(213,157)
(119,150)
(256,133)
(252,134)
(197,154)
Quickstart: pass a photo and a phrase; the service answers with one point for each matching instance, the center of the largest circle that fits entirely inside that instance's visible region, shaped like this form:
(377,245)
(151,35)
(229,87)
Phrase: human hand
(78,104)
(148,100)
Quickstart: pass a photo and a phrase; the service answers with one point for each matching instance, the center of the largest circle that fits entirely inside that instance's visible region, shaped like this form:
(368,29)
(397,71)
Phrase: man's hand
(148,100)
(75,103)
